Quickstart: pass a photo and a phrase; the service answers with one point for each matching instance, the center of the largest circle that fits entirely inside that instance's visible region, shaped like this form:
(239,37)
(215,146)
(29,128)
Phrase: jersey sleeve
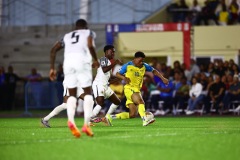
(62,42)
(123,70)
(103,62)
(148,67)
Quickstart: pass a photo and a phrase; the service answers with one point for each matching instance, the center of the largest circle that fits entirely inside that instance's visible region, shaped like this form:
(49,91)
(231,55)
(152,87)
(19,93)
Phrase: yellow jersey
(135,74)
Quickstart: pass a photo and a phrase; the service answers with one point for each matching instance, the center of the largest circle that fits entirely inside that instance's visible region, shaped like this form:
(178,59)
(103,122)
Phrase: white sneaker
(189,112)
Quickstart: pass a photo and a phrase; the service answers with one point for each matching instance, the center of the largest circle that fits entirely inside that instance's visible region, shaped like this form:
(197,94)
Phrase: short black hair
(139,54)
(107,47)
(81,23)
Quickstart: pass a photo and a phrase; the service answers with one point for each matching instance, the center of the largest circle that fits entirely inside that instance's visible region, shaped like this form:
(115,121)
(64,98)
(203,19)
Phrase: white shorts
(77,75)
(102,90)
(66,92)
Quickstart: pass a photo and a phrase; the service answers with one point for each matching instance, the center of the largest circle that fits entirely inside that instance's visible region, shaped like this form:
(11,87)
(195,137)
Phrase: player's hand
(117,61)
(95,64)
(165,81)
(52,74)
(127,80)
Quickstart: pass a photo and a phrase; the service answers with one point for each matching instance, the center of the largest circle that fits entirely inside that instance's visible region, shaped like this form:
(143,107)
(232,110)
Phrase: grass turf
(169,138)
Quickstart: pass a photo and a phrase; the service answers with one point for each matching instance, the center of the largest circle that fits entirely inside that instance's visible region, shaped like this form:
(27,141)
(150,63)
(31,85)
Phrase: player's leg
(87,107)
(115,103)
(98,92)
(137,99)
(125,115)
(71,83)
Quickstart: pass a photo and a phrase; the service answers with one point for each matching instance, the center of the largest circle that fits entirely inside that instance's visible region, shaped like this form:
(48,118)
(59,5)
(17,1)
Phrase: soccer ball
(149,116)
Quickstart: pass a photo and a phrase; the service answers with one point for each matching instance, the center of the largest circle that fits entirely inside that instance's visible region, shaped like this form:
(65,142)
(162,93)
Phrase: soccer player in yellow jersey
(132,73)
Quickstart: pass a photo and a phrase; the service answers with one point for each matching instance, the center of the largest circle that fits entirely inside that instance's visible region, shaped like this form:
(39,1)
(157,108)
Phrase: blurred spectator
(183,11)
(225,82)
(11,83)
(235,69)
(215,94)
(182,94)
(219,67)
(234,8)
(2,88)
(177,68)
(186,72)
(223,15)
(172,10)
(194,68)
(195,96)
(210,69)
(35,86)
(232,94)
(208,12)
(196,10)
(166,95)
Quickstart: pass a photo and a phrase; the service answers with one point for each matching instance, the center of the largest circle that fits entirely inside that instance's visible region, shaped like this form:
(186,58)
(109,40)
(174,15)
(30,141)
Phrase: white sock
(88,107)
(56,111)
(96,110)
(71,108)
(80,106)
(112,108)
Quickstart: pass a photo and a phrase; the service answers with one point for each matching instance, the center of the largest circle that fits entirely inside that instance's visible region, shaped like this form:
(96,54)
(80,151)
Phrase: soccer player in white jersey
(63,106)
(100,87)
(77,69)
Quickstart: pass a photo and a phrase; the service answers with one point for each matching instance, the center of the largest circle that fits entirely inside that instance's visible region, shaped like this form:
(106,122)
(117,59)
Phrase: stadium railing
(42,95)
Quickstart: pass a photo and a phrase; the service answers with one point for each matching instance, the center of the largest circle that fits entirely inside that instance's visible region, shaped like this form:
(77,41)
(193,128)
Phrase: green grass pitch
(169,138)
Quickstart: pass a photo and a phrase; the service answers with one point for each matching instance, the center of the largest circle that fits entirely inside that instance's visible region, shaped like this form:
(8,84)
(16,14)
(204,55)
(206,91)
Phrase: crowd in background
(221,12)
(214,86)
(9,80)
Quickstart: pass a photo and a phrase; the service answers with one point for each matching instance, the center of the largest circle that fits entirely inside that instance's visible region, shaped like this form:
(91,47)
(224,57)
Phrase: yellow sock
(122,115)
(141,110)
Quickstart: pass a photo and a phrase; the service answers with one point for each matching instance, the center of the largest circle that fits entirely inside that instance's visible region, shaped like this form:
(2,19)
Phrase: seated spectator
(232,94)
(195,96)
(215,94)
(182,94)
(148,90)
(166,95)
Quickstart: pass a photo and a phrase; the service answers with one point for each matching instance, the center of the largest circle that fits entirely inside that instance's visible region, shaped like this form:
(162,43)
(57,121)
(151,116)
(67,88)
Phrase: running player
(132,73)
(77,45)
(100,87)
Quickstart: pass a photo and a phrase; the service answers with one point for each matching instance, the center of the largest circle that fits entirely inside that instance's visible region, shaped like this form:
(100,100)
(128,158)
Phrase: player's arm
(57,46)
(108,68)
(92,51)
(121,74)
(156,73)
(113,79)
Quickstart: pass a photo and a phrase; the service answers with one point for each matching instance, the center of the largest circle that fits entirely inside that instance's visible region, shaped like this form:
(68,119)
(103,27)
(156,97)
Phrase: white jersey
(77,59)
(101,77)
(76,46)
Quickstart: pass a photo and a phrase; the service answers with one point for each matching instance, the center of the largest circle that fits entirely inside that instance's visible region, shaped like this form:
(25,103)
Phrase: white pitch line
(98,138)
